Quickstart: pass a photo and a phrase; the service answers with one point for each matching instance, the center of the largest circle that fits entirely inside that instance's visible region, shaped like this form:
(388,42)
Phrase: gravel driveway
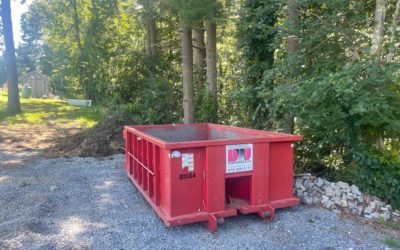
(80,203)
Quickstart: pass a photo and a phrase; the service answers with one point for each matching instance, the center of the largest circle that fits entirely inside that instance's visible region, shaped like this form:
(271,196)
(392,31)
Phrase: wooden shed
(40,83)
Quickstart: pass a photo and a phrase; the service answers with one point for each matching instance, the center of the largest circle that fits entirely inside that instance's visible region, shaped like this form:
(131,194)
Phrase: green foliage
(341,116)
(194,11)
(378,173)
(392,243)
(338,112)
(207,110)
(257,39)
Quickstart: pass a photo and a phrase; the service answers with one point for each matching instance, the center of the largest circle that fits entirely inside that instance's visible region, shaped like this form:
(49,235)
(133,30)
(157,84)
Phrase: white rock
(337,211)
(355,190)
(368,210)
(336,191)
(324,199)
(396,213)
(379,203)
(342,184)
(337,201)
(309,184)
(368,216)
(306,199)
(344,203)
(53,188)
(328,191)
(372,205)
(299,182)
(319,182)
(328,204)
(351,196)
(360,198)
(375,215)
(352,205)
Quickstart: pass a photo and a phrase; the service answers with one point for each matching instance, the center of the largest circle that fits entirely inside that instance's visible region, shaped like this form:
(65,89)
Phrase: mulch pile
(103,139)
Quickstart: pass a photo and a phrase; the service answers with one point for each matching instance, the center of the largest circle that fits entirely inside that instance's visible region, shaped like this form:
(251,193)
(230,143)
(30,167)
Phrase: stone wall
(342,197)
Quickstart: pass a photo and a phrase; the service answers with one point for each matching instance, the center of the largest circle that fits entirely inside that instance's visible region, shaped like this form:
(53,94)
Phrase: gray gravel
(80,203)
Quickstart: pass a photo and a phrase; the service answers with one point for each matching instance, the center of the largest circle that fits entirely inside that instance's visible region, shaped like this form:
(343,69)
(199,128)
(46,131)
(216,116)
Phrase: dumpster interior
(198,132)
(237,190)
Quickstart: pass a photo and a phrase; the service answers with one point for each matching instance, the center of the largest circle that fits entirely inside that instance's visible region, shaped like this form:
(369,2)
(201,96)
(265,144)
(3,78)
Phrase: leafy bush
(341,116)
(341,111)
(378,173)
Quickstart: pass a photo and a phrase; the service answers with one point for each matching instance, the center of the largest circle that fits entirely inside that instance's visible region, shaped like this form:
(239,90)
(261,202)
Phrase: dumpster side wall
(280,171)
(215,179)
(187,183)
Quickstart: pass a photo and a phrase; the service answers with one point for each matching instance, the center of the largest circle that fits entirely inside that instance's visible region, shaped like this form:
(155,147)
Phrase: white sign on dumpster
(239,158)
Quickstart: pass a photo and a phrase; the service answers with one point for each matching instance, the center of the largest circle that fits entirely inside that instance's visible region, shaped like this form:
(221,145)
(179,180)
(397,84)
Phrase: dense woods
(326,69)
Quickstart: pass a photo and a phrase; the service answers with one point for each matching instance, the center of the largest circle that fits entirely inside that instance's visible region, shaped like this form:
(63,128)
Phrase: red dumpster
(205,172)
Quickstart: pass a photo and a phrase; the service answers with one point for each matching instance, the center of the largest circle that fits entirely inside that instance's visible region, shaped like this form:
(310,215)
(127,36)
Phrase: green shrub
(377,172)
(341,116)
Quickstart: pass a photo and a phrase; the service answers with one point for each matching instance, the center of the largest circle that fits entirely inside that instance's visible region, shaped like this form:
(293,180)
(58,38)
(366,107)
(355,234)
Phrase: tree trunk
(199,54)
(393,47)
(76,26)
(378,34)
(14,106)
(211,53)
(292,49)
(187,73)
(377,43)
(293,38)
(151,29)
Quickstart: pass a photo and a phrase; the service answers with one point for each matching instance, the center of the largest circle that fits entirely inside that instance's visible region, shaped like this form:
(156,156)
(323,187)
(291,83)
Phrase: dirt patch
(103,139)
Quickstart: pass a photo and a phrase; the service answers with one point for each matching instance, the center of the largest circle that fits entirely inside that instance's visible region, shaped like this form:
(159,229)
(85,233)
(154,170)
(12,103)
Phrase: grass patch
(389,224)
(391,243)
(43,111)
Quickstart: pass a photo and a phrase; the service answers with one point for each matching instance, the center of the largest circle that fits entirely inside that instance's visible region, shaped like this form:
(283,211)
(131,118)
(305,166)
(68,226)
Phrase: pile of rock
(342,197)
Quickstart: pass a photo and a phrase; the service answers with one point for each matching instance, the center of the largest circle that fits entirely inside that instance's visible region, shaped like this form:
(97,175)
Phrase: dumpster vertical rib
(146,163)
(156,159)
(140,153)
(129,149)
(135,153)
(151,167)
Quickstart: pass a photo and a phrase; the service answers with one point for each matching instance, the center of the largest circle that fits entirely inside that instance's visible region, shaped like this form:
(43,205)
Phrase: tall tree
(392,45)
(14,106)
(292,50)
(257,39)
(211,53)
(377,43)
(187,72)
(149,17)
(199,54)
(379,29)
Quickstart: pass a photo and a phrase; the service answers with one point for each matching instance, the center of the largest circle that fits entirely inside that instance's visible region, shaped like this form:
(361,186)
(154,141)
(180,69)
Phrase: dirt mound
(103,139)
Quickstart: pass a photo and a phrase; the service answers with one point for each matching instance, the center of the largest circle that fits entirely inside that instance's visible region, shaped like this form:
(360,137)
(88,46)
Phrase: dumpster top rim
(260,136)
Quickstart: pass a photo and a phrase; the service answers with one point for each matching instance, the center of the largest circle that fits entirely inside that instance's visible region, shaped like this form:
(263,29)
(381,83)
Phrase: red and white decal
(239,158)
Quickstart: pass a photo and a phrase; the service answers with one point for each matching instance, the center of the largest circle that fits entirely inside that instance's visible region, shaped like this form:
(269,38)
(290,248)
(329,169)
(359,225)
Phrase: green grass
(391,243)
(43,111)
(389,224)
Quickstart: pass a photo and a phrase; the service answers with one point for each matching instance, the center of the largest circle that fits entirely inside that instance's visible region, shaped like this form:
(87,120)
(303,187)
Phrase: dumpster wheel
(268,213)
